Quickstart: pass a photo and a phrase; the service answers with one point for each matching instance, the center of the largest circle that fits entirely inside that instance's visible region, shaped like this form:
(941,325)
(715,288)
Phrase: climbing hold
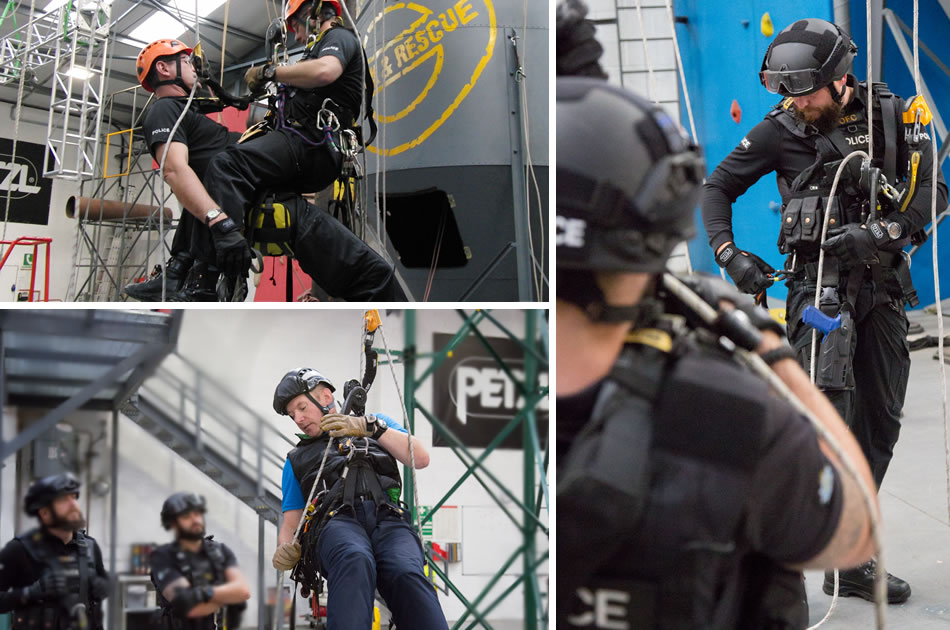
(767,28)
(735,111)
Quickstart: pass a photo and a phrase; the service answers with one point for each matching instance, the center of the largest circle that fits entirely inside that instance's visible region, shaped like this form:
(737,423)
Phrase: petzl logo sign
(474,396)
(426,60)
(22,182)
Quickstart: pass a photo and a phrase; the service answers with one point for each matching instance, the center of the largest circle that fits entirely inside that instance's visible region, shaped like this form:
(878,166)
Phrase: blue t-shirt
(293,498)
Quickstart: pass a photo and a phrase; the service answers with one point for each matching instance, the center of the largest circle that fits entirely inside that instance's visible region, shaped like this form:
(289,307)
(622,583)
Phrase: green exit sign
(27,260)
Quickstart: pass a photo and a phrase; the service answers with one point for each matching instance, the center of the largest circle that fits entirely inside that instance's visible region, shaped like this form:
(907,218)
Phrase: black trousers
(342,264)
(872,400)
(279,161)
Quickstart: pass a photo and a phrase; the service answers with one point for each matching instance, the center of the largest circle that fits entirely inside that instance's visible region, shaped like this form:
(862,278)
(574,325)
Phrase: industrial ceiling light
(161,25)
(78,72)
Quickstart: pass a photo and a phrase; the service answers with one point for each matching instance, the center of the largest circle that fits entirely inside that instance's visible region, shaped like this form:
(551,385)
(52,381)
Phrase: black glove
(188,598)
(857,244)
(578,51)
(100,587)
(714,290)
(750,273)
(51,586)
(233,256)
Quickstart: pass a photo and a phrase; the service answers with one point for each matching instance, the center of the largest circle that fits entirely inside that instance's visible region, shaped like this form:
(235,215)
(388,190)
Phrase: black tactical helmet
(628,180)
(805,57)
(295,383)
(578,51)
(179,503)
(42,491)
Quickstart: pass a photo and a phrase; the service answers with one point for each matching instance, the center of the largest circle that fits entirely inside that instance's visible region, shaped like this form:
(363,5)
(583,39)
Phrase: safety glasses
(789,82)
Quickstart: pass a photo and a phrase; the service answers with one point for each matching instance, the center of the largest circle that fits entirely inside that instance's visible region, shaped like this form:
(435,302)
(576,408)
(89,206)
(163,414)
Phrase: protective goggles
(790,82)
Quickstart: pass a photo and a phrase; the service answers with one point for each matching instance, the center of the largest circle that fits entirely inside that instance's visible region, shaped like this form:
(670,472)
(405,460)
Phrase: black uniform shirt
(204,137)
(18,569)
(794,501)
(346,91)
(166,569)
(769,147)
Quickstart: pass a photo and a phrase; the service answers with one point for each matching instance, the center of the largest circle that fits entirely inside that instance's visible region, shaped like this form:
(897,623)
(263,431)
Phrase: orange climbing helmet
(158,48)
(294,5)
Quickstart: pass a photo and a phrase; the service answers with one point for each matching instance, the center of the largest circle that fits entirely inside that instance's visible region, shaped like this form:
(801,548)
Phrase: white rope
(646,55)
(689,106)
(936,267)
(755,362)
(405,418)
(521,78)
(870,88)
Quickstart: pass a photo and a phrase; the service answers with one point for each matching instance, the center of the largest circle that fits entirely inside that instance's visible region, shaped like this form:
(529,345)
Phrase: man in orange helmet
(299,155)
(164,67)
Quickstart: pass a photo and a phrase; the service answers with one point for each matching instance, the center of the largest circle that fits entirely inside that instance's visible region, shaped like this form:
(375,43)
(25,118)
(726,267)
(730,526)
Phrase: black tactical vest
(306,457)
(660,547)
(201,569)
(79,567)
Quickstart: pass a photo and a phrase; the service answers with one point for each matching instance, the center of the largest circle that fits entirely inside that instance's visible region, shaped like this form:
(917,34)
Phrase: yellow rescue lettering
(410,47)
(433,35)
(462,8)
(423,42)
(400,51)
(445,25)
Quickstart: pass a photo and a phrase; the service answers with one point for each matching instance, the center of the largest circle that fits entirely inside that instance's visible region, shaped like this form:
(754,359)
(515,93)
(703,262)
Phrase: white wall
(251,350)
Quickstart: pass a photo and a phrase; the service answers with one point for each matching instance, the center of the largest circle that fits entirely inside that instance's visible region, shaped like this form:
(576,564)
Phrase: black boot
(859,581)
(150,290)
(199,286)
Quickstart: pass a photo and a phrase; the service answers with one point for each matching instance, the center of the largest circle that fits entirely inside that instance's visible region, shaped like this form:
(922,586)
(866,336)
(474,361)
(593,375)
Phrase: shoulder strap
(889,113)
(84,548)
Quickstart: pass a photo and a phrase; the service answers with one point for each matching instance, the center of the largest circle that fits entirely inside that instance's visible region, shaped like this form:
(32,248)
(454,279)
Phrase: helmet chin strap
(176,81)
(837,96)
(324,408)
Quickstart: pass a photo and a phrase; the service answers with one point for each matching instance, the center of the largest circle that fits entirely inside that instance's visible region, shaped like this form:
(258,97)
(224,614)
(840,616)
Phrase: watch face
(894,230)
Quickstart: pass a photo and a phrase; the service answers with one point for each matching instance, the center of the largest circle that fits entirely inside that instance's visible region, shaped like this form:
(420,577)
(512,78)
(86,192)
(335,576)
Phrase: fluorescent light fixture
(77,72)
(161,25)
(55,4)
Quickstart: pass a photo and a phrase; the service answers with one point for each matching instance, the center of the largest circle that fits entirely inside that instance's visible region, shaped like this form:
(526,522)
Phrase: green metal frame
(534,490)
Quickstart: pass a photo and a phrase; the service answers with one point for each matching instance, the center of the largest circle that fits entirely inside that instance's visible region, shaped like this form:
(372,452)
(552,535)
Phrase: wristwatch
(377,425)
(212,215)
(269,72)
(894,230)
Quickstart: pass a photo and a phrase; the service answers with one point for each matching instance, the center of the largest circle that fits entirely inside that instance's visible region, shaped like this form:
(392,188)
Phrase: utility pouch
(802,219)
(834,356)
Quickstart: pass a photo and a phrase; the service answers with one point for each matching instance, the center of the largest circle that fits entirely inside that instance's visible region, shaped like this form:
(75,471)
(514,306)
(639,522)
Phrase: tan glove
(339,425)
(256,77)
(286,556)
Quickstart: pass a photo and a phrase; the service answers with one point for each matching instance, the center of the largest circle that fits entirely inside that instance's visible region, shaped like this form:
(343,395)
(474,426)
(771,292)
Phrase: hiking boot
(199,286)
(859,581)
(150,290)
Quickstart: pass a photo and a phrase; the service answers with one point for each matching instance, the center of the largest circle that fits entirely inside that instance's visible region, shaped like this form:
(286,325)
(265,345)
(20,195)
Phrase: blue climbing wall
(722,45)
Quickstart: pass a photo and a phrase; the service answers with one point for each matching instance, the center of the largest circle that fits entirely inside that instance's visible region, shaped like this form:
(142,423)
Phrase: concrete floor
(914,503)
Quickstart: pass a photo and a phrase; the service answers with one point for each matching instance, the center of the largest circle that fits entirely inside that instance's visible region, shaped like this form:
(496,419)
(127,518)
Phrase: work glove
(339,425)
(50,586)
(857,244)
(187,598)
(750,273)
(286,556)
(256,77)
(232,254)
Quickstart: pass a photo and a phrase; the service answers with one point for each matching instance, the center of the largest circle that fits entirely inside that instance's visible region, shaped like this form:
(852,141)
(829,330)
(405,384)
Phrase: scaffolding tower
(527,515)
(112,250)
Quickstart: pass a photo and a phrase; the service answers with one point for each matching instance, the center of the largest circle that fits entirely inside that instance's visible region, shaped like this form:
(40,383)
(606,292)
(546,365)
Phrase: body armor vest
(79,567)
(201,569)
(805,199)
(306,457)
(661,547)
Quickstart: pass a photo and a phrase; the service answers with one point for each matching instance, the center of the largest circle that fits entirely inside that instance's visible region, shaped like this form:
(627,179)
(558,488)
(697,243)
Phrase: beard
(192,534)
(71,522)
(827,119)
